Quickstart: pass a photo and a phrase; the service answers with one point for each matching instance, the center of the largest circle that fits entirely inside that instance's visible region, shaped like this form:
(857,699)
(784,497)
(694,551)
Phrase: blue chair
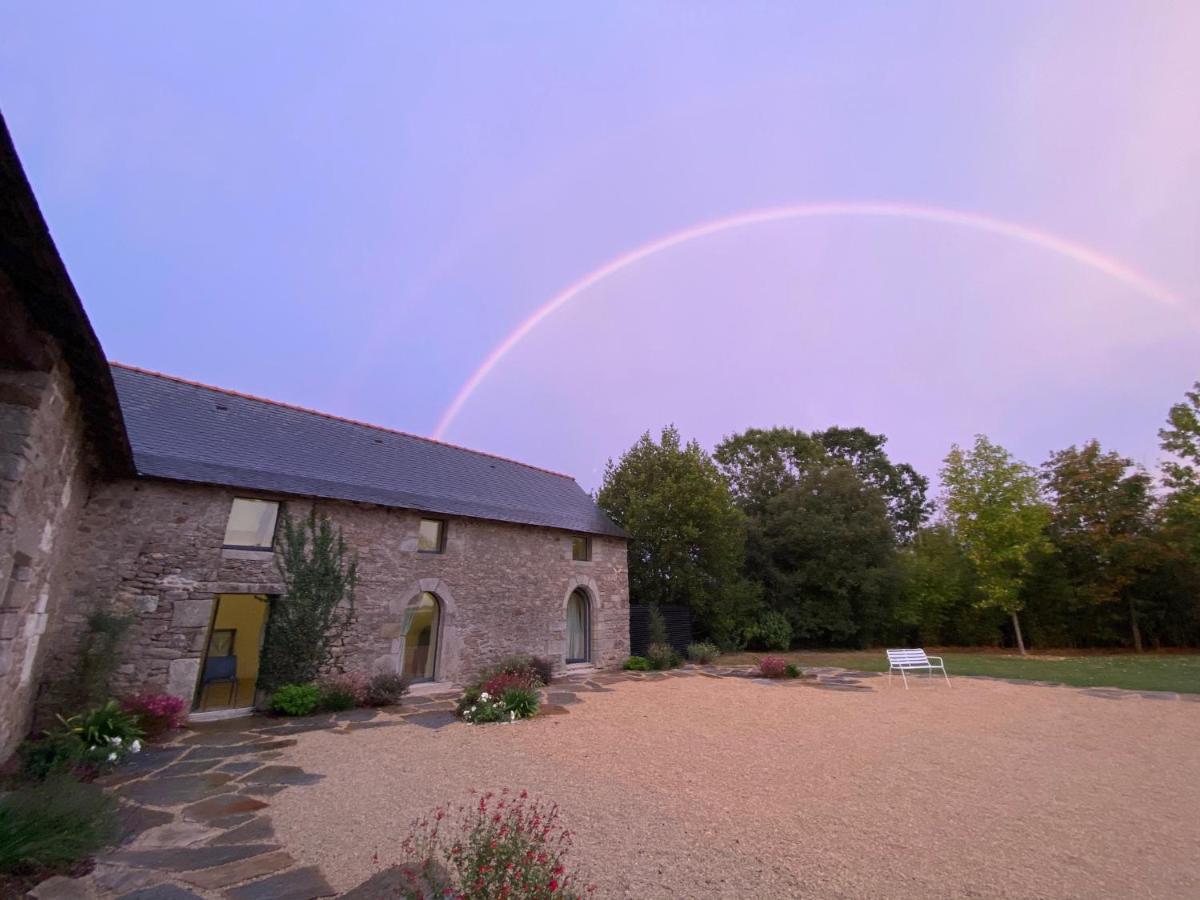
(219,669)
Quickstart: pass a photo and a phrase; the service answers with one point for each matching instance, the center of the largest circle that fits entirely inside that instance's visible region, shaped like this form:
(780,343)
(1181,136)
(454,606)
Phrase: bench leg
(947,677)
(905,677)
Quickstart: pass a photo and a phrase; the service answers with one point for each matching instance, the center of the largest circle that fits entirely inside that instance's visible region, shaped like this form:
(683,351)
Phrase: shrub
(636,664)
(521,703)
(703,652)
(55,752)
(345,690)
(534,666)
(662,656)
(772,667)
(772,632)
(498,684)
(792,670)
(296,699)
(502,845)
(156,714)
(386,689)
(656,625)
(98,659)
(319,577)
(85,744)
(54,823)
(479,706)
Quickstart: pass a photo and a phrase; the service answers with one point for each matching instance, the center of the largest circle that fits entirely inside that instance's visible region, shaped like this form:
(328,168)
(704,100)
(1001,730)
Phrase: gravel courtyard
(704,787)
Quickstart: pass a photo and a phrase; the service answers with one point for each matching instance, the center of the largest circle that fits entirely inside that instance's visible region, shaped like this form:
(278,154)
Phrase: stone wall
(153,548)
(43,484)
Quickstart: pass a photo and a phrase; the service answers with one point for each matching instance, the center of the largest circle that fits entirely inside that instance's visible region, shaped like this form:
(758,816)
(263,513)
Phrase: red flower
(553,885)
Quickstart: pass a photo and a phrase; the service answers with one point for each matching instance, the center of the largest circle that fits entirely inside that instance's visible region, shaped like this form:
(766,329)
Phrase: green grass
(1140,672)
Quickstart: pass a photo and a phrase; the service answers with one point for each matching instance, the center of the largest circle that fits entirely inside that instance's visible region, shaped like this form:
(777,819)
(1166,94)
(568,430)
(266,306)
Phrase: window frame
(587,547)
(269,548)
(443,529)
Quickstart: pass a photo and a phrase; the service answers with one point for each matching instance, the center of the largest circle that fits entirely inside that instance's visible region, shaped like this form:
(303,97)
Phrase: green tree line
(783,538)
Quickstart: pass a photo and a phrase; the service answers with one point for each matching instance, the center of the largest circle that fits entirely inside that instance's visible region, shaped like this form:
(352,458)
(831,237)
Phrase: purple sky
(349,211)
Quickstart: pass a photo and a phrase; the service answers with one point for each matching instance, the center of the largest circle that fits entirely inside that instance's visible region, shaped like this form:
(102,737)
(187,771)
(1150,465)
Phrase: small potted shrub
(772,667)
(662,656)
(499,845)
(703,652)
(156,714)
(343,691)
(386,689)
(296,699)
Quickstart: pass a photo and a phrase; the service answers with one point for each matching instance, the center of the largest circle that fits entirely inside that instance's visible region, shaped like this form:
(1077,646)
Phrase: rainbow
(1081,253)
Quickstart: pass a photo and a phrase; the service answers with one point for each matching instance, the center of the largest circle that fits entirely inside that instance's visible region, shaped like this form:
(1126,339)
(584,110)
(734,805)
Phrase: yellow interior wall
(246,614)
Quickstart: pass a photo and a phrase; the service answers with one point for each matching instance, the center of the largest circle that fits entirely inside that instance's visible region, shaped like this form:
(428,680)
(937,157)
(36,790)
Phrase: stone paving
(195,813)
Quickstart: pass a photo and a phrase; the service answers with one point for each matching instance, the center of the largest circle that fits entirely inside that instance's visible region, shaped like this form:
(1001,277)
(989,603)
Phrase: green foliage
(99,656)
(1100,526)
(824,551)
(296,699)
(994,504)
(656,625)
(480,707)
(636,664)
(521,703)
(772,631)
(496,846)
(703,652)
(662,656)
(791,670)
(91,742)
(686,535)
(937,586)
(764,463)
(57,751)
(317,605)
(54,823)
(386,688)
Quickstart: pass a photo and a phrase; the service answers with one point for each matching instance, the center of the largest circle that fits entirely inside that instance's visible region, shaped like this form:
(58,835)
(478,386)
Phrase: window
(581,548)
(432,536)
(251,524)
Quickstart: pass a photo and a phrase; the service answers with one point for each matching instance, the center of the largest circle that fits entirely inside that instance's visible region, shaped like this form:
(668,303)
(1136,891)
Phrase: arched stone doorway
(579,627)
(420,636)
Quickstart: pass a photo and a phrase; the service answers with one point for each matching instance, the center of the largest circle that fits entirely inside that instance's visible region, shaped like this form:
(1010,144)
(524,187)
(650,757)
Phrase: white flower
(115,740)
(512,714)
(485,696)
(136,747)
(112,757)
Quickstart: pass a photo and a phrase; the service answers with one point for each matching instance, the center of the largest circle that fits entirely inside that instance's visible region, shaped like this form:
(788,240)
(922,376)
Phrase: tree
(994,505)
(317,604)
(824,551)
(936,579)
(1100,523)
(1181,475)
(763,463)
(903,487)
(686,536)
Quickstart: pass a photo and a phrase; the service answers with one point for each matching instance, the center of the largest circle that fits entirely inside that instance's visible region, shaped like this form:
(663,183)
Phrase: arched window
(579,627)
(421,625)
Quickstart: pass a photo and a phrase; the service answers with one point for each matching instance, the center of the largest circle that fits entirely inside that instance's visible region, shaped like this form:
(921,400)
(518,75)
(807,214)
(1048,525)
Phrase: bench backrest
(907,658)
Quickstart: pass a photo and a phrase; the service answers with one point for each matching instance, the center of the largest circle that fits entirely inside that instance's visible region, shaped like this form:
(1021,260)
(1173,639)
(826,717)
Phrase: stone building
(159,499)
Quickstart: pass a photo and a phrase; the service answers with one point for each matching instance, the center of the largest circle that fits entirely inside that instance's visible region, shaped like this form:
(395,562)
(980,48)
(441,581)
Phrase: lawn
(1143,672)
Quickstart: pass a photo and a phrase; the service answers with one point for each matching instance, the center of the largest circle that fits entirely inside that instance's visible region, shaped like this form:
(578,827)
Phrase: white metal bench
(904,661)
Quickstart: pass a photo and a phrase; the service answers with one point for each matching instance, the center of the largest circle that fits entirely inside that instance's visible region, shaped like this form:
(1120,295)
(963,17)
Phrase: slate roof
(185,431)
